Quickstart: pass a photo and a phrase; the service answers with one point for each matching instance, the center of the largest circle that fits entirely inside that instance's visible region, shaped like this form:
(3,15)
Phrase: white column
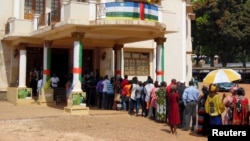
(22,68)
(159,67)
(16,9)
(36,21)
(77,61)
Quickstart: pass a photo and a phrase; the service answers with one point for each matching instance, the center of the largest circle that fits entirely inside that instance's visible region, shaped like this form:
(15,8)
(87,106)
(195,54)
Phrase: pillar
(36,21)
(160,59)
(16,9)
(77,61)
(117,48)
(22,66)
(47,61)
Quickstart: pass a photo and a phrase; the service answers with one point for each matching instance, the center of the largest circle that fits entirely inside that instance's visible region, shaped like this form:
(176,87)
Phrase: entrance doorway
(59,64)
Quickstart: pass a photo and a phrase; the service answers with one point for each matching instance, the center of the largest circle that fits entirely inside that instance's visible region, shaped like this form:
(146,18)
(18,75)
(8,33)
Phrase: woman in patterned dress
(240,108)
(203,117)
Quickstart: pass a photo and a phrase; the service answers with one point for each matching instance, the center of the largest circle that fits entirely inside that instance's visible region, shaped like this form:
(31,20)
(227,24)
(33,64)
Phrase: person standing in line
(180,89)
(124,92)
(190,98)
(153,98)
(69,86)
(99,89)
(54,81)
(143,102)
(138,94)
(240,108)
(228,102)
(104,92)
(132,100)
(214,106)
(147,90)
(203,117)
(173,82)
(110,93)
(174,115)
(127,89)
(40,85)
(117,90)
(33,83)
(161,102)
(91,86)
(168,88)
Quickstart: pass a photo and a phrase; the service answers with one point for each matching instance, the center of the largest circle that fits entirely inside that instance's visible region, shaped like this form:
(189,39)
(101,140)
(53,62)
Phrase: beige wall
(176,63)
(6,12)
(5,65)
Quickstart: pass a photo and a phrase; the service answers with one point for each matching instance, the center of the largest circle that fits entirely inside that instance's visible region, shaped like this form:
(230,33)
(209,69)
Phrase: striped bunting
(130,10)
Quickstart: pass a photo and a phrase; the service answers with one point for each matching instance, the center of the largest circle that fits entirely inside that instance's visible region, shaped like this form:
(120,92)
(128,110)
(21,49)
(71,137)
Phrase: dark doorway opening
(59,64)
(87,61)
(34,62)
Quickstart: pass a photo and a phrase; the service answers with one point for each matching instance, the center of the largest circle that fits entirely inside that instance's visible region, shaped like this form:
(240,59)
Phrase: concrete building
(116,37)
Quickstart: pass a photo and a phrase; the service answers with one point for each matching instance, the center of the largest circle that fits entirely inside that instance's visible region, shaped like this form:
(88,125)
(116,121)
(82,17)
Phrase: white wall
(175,46)
(6,12)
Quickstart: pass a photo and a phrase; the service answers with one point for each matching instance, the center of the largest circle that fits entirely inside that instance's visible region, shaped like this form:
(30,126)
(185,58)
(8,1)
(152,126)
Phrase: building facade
(115,37)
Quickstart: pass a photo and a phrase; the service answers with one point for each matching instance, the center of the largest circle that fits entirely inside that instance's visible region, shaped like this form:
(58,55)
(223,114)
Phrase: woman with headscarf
(240,108)
(214,106)
(174,114)
(228,102)
(203,117)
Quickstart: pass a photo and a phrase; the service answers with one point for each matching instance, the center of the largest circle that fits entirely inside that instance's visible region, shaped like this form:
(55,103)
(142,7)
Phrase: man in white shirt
(54,81)
(39,85)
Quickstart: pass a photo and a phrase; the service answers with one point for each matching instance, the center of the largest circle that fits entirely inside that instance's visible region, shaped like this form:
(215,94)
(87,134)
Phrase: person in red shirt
(168,90)
(173,82)
(124,82)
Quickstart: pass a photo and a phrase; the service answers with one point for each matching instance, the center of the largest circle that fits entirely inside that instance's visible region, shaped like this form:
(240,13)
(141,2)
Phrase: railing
(48,19)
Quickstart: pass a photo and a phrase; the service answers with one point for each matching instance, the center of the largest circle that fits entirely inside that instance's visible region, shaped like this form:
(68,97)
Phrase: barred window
(28,6)
(34,7)
(55,10)
(136,63)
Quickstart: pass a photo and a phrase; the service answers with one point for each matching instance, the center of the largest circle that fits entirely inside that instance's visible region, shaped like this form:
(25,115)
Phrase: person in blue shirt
(190,98)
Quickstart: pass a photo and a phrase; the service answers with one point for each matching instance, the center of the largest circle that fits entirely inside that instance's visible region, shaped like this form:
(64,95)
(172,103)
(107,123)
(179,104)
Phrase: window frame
(135,64)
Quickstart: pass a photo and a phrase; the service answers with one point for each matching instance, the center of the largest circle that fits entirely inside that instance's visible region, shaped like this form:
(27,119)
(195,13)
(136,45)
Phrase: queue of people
(175,104)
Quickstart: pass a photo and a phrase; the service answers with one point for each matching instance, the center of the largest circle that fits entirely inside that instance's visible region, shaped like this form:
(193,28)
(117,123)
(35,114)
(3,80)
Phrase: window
(136,63)
(28,6)
(39,7)
(55,10)
(34,7)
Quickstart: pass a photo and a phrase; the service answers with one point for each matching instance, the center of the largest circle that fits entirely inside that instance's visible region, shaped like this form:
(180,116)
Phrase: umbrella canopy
(222,75)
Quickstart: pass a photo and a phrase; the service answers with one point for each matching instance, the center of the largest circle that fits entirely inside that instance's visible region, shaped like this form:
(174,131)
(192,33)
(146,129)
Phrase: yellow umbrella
(222,75)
